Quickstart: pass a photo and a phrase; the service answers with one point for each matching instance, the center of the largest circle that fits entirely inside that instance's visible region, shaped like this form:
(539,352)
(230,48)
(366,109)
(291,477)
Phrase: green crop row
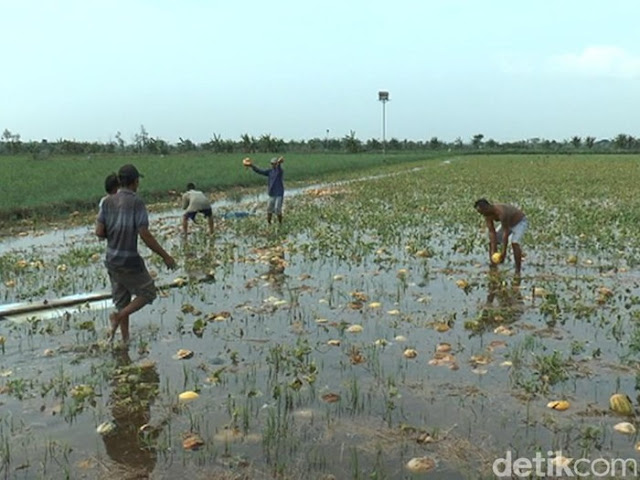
(64,184)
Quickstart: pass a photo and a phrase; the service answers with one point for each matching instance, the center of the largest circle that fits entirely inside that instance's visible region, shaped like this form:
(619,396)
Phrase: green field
(365,332)
(57,186)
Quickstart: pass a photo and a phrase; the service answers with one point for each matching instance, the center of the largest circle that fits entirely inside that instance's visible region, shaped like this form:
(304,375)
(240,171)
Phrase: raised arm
(260,171)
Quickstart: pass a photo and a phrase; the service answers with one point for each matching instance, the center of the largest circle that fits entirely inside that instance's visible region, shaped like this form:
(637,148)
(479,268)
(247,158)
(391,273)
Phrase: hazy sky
(86,69)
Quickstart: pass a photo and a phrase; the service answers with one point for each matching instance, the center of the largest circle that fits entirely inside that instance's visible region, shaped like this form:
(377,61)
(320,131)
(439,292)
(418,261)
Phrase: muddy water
(277,400)
(266,412)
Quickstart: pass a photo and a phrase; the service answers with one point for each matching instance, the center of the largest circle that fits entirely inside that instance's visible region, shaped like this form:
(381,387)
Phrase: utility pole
(383,96)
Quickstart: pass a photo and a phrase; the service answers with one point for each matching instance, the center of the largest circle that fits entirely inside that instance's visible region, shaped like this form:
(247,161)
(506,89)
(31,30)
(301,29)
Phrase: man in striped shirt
(122,218)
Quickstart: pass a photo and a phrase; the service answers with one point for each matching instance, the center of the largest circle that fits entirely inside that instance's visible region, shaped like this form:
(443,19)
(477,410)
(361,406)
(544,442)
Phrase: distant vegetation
(34,189)
(145,143)
(47,179)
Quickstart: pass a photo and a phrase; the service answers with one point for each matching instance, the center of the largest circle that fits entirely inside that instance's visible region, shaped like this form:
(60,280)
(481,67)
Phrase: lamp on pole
(383,96)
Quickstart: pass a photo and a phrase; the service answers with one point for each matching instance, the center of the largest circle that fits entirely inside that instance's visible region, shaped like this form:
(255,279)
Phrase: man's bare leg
(185,225)
(121,318)
(124,329)
(517,256)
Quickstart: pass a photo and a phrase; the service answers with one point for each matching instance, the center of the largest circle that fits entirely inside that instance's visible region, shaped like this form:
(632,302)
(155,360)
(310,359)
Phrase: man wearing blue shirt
(276,186)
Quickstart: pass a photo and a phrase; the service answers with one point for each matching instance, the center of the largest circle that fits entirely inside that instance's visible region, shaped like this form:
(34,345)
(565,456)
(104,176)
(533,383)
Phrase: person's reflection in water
(135,387)
(510,305)
(277,264)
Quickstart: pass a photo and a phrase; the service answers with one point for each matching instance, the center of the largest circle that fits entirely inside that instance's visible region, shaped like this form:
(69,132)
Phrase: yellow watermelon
(621,403)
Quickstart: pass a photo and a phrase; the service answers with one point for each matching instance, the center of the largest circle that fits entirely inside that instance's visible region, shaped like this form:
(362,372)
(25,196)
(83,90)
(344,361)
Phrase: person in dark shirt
(275,185)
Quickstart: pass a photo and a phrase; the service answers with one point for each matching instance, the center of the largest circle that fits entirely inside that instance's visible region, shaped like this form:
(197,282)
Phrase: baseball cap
(274,160)
(129,172)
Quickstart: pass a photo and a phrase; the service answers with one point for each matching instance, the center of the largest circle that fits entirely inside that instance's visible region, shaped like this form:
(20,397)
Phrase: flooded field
(365,333)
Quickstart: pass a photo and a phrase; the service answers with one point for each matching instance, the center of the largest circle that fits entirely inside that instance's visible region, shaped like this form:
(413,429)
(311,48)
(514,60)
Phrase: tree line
(144,143)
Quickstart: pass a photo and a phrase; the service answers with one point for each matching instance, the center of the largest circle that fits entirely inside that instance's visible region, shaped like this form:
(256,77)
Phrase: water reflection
(504,303)
(135,387)
(275,259)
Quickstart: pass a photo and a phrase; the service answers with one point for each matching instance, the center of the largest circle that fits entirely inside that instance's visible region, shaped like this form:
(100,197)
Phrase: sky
(509,70)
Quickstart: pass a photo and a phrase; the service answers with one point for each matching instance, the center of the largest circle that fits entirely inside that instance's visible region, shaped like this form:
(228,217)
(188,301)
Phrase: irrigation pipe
(28,307)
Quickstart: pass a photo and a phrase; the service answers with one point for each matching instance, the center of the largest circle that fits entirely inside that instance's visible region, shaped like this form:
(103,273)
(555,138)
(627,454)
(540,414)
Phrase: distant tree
(264,143)
(589,142)
(12,141)
(333,144)
(249,143)
(576,141)
(476,140)
(620,140)
(297,145)
(492,144)
(410,145)
(186,145)
(141,140)
(269,144)
(157,146)
(434,143)
(394,144)
(458,143)
(41,151)
(121,143)
(623,141)
(216,144)
(373,145)
(313,145)
(351,142)
(70,147)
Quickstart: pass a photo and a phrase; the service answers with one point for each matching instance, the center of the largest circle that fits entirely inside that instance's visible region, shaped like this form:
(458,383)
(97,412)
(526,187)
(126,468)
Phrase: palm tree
(589,142)
(576,141)
(623,141)
(351,143)
(249,143)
